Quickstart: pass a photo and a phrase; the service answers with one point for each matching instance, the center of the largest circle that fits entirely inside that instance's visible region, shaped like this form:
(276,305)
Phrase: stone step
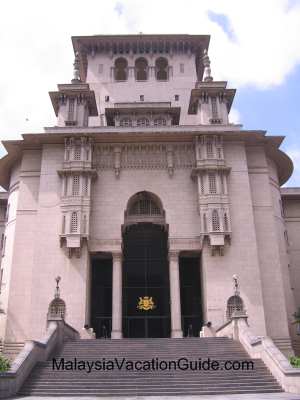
(44,381)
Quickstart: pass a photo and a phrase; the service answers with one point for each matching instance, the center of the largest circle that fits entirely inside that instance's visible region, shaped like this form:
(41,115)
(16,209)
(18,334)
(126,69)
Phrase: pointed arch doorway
(146,292)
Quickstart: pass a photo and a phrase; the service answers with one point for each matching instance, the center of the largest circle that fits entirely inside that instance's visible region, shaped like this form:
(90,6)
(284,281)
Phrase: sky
(254,45)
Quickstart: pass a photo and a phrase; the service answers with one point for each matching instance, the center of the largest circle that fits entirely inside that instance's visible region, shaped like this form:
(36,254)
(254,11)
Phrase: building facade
(146,201)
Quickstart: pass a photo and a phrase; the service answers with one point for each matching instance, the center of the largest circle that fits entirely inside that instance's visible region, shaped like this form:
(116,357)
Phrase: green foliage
(4,364)
(295,362)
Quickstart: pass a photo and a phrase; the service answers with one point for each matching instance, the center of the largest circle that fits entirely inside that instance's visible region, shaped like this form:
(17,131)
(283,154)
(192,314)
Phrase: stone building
(145,200)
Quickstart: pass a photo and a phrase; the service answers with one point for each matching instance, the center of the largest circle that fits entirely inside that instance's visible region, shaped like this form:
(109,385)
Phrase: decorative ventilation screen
(74,222)
(215,221)
(144,206)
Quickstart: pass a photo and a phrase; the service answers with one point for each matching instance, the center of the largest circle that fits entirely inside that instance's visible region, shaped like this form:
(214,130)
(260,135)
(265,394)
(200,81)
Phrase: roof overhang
(211,89)
(75,90)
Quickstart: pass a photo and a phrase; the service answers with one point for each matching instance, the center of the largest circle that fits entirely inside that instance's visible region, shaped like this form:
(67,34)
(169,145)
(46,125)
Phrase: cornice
(117,135)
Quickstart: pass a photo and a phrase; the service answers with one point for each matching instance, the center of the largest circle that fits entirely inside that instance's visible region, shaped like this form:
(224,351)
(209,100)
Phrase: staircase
(44,381)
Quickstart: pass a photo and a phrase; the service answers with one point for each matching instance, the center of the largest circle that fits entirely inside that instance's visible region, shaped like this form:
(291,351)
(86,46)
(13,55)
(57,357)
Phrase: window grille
(86,185)
(214,108)
(125,122)
(215,221)
(201,184)
(209,149)
(160,122)
(77,153)
(144,206)
(141,69)
(57,309)
(226,224)
(74,222)
(212,183)
(143,122)
(71,109)
(76,181)
(121,70)
(161,69)
(234,304)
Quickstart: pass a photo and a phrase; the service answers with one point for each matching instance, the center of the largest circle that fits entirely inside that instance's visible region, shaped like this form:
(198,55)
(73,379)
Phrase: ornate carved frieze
(145,156)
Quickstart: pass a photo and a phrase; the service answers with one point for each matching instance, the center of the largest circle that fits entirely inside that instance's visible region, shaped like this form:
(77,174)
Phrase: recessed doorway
(146,294)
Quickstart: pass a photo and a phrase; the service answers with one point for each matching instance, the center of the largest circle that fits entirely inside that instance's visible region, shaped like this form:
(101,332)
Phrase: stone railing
(33,352)
(265,349)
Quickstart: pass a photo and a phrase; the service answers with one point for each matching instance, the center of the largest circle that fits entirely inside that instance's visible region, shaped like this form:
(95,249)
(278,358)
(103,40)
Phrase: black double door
(146,293)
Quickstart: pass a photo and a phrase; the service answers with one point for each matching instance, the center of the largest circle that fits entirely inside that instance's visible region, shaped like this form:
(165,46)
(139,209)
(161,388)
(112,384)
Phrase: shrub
(4,364)
(295,362)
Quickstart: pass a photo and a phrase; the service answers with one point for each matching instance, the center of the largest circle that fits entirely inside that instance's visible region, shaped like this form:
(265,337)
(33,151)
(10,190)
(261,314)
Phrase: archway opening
(146,293)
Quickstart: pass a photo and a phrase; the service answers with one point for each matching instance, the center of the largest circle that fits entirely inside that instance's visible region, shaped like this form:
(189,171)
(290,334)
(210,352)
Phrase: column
(176,331)
(116,332)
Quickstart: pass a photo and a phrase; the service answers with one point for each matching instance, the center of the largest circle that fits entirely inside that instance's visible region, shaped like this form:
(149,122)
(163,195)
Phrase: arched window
(143,122)
(161,69)
(57,309)
(141,69)
(144,205)
(125,122)
(160,122)
(215,221)
(121,69)
(234,304)
(74,222)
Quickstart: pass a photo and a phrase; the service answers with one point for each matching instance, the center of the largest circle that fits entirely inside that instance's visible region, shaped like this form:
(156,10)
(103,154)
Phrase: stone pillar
(176,330)
(116,332)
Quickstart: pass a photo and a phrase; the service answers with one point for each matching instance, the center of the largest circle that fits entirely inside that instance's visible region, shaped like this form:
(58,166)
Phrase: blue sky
(254,45)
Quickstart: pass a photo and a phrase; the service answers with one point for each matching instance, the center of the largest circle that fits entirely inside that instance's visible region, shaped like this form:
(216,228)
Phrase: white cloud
(37,52)
(294,154)
(235,116)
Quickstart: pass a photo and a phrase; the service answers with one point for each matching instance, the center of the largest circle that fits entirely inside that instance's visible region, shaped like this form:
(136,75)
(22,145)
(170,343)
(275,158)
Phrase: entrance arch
(146,292)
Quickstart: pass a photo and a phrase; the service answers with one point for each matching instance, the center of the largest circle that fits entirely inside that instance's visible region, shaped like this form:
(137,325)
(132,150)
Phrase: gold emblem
(146,303)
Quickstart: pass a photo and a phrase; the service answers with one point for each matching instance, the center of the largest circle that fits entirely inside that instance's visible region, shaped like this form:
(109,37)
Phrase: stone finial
(236,285)
(76,74)
(57,291)
(207,71)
